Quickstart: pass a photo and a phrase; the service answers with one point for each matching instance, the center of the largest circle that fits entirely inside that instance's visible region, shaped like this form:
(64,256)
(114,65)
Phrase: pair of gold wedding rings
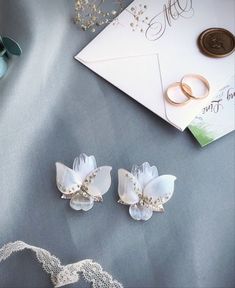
(186,89)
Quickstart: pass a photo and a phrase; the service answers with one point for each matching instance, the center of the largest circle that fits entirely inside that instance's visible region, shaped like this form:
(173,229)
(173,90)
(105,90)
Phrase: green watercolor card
(217,118)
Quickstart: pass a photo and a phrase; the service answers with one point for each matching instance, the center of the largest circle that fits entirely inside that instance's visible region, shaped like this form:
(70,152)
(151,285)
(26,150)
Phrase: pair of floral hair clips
(142,188)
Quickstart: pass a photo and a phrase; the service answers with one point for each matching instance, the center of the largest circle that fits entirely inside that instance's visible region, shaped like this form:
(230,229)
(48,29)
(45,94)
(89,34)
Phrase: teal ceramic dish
(8,47)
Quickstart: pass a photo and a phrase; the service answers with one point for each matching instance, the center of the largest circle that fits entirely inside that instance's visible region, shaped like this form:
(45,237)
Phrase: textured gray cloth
(51,109)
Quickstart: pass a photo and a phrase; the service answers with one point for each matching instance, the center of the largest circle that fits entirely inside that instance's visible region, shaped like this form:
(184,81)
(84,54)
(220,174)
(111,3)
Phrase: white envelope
(153,44)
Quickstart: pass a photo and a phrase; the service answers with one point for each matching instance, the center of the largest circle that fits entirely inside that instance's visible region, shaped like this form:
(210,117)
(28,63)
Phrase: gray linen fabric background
(51,109)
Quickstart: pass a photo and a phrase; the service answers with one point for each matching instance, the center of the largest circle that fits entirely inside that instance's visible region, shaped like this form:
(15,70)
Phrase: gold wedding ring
(190,94)
(187,90)
(174,86)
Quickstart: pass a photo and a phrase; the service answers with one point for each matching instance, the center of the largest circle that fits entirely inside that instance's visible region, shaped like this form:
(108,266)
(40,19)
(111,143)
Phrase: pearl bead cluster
(84,190)
(135,186)
(69,191)
(148,202)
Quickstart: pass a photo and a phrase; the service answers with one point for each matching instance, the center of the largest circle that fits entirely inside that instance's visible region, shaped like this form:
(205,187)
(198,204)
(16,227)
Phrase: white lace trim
(64,275)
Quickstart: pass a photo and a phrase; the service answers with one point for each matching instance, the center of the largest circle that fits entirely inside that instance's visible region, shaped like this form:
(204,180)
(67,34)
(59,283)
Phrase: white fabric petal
(84,165)
(144,173)
(140,212)
(128,187)
(99,181)
(161,187)
(67,180)
(79,202)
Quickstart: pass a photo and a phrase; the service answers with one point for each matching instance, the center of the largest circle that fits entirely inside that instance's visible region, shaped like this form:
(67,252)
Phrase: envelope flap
(129,75)
(112,46)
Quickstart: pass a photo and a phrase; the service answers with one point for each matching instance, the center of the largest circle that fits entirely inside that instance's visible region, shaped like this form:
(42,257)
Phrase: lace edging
(64,275)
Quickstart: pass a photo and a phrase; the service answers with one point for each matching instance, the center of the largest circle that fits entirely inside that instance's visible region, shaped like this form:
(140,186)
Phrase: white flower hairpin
(144,190)
(85,183)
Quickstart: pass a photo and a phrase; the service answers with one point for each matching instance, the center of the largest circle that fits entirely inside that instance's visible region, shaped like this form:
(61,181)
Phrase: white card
(217,118)
(153,44)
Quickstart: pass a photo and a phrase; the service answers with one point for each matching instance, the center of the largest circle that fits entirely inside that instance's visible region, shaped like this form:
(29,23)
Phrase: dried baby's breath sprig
(91,13)
(138,17)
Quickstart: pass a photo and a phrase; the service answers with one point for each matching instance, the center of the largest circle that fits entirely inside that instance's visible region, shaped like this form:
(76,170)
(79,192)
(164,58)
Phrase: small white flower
(85,183)
(144,190)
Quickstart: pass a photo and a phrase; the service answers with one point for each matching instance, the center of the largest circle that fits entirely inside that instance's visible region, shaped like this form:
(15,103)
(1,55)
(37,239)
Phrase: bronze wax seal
(216,42)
